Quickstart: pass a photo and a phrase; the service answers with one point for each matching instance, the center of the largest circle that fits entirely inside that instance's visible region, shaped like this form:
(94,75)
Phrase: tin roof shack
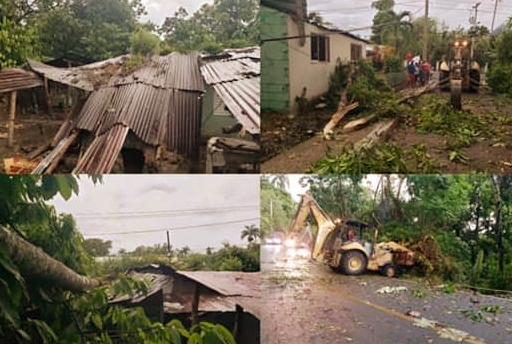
(223,297)
(298,57)
(138,117)
(232,109)
(12,84)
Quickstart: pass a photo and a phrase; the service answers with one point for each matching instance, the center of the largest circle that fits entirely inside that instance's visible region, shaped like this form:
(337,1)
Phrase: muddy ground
(305,302)
(291,144)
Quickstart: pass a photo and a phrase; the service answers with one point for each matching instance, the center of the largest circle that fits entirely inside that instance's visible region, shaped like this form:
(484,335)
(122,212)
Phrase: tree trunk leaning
(35,263)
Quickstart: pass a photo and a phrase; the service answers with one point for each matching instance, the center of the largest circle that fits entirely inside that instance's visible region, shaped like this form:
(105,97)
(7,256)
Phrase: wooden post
(195,307)
(12,116)
(239,320)
(49,103)
(34,99)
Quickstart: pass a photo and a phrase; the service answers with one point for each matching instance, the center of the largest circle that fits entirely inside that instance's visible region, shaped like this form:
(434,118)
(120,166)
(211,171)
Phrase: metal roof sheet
(237,82)
(172,71)
(101,155)
(15,79)
(228,283)
(242,98)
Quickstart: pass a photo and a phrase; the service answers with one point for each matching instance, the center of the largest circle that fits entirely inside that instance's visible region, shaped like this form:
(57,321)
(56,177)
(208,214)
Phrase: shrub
(145,43)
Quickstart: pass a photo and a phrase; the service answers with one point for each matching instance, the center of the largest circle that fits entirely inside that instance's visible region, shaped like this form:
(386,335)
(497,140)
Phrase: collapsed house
(130,115)
(138,116)
(222,297)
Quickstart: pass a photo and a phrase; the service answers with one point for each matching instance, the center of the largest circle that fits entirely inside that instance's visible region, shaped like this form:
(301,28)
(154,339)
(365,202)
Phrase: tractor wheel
(456,93)
(474,80)
(444,80)
(353,263)
(389,270)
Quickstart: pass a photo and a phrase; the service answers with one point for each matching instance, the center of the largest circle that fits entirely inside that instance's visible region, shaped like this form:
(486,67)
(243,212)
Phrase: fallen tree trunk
(337,117)
(35,263)
(406,95)
(380,131)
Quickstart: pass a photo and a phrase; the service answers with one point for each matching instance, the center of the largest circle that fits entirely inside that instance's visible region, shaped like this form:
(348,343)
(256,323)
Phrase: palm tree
(251,232)
(184,251)
(280,181)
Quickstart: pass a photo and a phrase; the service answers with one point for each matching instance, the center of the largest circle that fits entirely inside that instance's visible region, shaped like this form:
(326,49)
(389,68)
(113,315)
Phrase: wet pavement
(305,302)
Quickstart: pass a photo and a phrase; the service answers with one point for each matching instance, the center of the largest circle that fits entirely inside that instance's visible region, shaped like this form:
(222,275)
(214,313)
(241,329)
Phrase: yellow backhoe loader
(463,73)
(340,243)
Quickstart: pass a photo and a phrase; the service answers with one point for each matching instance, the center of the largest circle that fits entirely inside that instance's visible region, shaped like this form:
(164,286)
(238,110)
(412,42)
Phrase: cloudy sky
(199,210)
(358,14)
(158,10)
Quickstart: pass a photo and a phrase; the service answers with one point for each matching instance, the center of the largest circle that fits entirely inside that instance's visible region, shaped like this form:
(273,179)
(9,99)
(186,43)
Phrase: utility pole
(494,16)
(425,33)
(168,243)
(474,22)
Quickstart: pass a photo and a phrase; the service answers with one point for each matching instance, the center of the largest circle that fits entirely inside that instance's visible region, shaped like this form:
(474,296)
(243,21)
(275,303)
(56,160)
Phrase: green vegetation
(100,29)
(500,74)
(277,206)
(38,310)
(228,258)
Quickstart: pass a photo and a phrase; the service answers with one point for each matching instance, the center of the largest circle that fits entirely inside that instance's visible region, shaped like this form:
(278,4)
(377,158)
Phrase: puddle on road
(281,264)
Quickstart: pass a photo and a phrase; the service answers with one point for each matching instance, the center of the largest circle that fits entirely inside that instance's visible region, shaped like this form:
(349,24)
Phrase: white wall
(314,75)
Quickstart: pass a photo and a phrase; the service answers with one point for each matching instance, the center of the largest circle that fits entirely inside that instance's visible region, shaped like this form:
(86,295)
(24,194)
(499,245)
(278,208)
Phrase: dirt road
(305,302)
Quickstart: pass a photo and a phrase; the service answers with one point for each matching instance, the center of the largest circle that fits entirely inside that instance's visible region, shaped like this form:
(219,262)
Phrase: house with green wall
(298,57)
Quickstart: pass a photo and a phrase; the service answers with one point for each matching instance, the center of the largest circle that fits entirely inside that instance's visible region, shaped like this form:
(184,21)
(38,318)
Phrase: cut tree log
(337,117)
(36,264)
(380,132)
(359,123)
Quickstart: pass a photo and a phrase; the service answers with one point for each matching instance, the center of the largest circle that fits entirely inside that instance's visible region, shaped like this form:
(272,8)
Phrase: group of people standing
(418,71)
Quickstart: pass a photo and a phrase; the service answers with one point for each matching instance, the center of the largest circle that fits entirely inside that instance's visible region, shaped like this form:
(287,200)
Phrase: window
(356,51)
(319,48)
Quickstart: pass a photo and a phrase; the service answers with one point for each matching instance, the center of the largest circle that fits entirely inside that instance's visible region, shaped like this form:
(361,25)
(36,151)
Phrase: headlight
(456,44)
(289,243)
(465,43)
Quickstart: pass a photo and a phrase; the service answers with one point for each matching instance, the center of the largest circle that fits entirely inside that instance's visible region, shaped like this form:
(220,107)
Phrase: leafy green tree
(97,247)
(17,43)
(277,208)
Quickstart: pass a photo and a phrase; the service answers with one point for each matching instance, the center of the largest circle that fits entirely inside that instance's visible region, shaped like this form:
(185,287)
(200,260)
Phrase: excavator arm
(308,205)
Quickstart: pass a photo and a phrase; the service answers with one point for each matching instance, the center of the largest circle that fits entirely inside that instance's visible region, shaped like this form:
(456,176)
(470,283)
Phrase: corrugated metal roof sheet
(101,155)
(242,98)
(175,71)
(15,79)
(237,82)
(228,283)
(67,76)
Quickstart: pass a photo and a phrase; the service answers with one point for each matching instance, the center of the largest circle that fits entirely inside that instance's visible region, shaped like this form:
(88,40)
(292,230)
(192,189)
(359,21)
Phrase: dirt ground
(305,302)
(288,147)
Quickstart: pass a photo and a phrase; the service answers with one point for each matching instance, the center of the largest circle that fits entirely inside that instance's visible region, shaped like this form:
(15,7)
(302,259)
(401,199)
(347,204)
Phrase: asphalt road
(305,302)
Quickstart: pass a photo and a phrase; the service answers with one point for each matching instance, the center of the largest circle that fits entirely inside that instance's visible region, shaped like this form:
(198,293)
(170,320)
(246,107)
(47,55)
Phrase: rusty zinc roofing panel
(69,76)
(172,71)
(157,116)
(228,283)
(17,79)
(101,155)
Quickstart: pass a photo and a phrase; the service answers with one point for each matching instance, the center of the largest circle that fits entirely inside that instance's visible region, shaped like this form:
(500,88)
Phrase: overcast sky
(129,203)
(357,14)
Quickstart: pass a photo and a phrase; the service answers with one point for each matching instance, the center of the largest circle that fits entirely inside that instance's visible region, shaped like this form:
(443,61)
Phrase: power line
(173,228)
(161,211)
